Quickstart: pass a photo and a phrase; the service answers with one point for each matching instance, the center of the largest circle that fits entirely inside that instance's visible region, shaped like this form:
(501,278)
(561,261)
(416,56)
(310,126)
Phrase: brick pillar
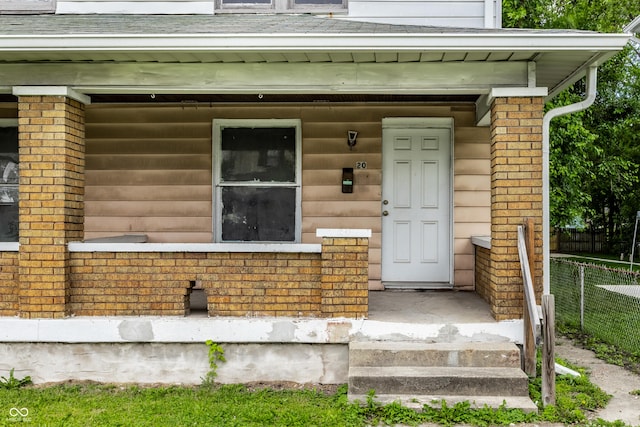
(51,192)
(345,273)
(516,194)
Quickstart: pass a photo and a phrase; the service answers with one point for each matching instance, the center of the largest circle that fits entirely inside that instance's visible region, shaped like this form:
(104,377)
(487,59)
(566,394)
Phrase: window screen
(258,184)
(258,214)
(258,155)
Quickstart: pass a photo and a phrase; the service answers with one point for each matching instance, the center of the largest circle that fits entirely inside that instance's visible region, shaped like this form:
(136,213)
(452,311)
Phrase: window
(8,181)
(257,180)
(281,5)
(27,6)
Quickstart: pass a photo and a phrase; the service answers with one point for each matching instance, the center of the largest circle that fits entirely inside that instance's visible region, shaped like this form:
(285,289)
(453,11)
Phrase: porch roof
(560,56)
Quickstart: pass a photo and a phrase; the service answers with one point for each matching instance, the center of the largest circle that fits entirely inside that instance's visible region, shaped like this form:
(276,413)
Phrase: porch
(161,349)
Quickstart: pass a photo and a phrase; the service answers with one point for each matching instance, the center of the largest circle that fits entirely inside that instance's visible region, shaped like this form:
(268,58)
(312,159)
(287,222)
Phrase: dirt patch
(289,385)
(326,389)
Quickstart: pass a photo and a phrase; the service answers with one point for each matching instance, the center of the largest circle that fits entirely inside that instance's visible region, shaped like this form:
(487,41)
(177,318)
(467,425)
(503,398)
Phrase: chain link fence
(601,301)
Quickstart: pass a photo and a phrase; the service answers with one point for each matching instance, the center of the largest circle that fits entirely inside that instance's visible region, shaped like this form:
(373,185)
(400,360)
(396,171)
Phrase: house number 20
(361,165)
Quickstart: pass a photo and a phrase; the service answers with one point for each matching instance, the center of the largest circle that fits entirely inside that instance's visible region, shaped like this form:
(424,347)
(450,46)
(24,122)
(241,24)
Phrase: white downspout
(592,81)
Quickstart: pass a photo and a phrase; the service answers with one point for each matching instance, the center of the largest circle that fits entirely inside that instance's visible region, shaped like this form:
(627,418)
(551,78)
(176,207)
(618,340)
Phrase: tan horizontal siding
(148,161)
(147,224)
(154,146)
(175,193)
(472,183)
(161,236)
(149,169)
(148,208)
(334,176)
(321,145)
(472,196)
(334,192)
(340,208)
(323,162)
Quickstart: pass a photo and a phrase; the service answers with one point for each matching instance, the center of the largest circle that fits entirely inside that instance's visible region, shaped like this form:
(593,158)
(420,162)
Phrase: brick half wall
(331,280)
(159,283)
(9,284)
(483,273)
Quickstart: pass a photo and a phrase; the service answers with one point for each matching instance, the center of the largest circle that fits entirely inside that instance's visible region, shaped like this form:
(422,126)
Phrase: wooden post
(548,351)
(529,344)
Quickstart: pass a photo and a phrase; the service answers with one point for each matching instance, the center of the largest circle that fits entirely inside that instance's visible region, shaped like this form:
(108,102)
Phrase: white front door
(416,194)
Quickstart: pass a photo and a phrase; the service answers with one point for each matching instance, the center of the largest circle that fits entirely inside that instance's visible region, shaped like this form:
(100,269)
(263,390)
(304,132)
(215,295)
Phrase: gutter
(592,81)
(502,41)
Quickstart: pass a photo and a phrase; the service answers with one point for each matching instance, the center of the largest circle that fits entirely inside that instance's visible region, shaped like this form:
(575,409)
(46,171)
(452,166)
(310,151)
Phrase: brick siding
(51,150)
(333,283)
(9,284)
(157,283)
(516,194)
(483,274)
(345,283)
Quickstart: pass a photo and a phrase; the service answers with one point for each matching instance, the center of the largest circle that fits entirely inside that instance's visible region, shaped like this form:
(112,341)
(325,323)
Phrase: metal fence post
(582,297)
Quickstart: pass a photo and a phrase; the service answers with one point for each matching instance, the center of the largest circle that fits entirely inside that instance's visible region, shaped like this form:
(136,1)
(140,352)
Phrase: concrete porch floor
(428,306)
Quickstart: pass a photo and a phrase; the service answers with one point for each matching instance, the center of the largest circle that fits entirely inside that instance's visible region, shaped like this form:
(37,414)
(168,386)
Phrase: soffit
(560,56)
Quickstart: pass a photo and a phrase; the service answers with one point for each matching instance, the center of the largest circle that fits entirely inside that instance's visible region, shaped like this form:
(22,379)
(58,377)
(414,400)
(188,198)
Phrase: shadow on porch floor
(428,306)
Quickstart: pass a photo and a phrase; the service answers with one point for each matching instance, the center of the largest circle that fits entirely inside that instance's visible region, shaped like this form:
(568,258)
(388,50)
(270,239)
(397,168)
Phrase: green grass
(606,260)
(235,405)
(610,317)
(608,352)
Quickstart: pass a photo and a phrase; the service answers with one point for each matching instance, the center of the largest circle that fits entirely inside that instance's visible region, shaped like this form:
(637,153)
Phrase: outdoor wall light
(352,136)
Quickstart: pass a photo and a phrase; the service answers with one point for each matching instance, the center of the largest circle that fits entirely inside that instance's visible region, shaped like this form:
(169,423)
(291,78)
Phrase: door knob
(385,202)
(385,213)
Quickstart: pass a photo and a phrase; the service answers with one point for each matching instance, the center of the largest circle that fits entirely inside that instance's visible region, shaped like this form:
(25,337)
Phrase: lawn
(610,316)
(236,405)
(610,261)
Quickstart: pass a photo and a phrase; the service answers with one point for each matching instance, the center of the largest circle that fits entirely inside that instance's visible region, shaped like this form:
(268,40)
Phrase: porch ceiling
(560,57)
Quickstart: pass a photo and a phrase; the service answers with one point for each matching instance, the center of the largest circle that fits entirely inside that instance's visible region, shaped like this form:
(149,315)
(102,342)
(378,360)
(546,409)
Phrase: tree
(595,154)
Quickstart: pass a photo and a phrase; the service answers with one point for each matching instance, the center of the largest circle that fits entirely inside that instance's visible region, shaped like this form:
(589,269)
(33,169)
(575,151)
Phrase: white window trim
(218,125)
(24,6)
(279,6)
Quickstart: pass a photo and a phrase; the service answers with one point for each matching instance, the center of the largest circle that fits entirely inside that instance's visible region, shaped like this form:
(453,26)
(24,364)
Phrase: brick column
(345,273)
(516,193)
(51,192)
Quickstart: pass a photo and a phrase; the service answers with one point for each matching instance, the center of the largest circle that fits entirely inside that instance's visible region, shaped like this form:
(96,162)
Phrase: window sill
(196,247)
(9,246)
(269,10)
(481,241)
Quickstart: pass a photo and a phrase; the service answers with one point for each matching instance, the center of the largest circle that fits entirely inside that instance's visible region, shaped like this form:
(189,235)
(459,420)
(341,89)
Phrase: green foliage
(523,13)
(607,351)
(12,382)
(236,405)
(574,396)
(215,355)
(595,154)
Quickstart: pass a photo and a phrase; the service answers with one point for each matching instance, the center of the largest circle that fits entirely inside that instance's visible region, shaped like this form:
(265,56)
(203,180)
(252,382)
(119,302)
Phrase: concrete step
(417,402)
(387,353)
(430,380)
